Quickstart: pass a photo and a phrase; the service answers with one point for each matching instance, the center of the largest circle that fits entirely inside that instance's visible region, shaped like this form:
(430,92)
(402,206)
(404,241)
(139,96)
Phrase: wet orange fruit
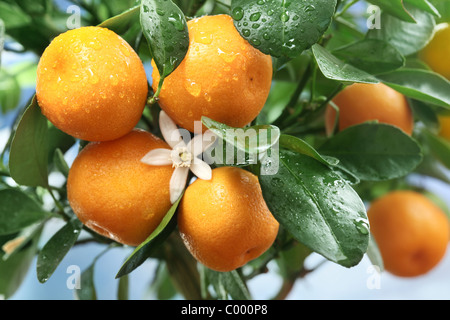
(222,77)
(362,102)
(114,193)
(91,84)
(225,222)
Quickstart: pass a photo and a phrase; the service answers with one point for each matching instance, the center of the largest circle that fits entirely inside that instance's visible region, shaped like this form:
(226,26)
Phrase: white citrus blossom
(183,156)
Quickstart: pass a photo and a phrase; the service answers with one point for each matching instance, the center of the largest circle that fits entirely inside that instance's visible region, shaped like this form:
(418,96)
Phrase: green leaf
(298,145)
(335,69)
(14,269)
(56,248)
(148,246)
(425,6)
(87,289)
(13,16)
(9,90)
(371,55)
(318,207)
(60,162)
(28,157)
(439,147)
(228,283)
(58,140)
(18,210)
(394,8)
(374,152)
(408,38)
(374,255)
(423,85)
(165,28)
(425,113)
(123,288)
(121,22)
(282,28)
(253,140)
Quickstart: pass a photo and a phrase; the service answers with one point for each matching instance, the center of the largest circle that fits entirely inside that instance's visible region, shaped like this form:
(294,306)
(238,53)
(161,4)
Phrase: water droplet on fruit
(193,88)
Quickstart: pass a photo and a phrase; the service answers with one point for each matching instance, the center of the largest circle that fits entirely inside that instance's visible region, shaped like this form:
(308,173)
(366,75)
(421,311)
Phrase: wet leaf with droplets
(56,248)
(374,151)
(282,28)
(318,207)
(164,26)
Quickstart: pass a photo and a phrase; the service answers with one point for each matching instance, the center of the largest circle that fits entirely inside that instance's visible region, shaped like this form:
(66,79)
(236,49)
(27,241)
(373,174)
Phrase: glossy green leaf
(147,247)
(18,210)
(407,37)
(282,28)
(164,26)
(319,208)
(298,145)
(28,157)
(228,283)
(423,85)
(336,69)
(56,248)
(395,8)
(254,140)
(121,22)
(374,152)
(371,55)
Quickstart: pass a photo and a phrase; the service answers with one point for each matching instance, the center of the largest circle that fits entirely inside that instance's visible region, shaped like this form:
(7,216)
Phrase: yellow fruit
(437,52)
(225,222)
(360,102)
(114,193)
(91,84)
(222,77)
(411,232)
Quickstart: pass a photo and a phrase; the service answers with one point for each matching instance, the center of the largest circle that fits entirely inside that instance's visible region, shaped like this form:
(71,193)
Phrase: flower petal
(201,169)
(169,130)
(178,182)
(201,142)
(157,157)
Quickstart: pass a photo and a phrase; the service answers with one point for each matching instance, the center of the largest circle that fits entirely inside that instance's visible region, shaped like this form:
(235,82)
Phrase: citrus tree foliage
(319,192)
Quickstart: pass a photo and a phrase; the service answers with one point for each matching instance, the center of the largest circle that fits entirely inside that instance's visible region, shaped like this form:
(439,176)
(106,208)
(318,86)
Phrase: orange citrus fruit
(444,122)
(222,77)
(91,84)
(362,102)
(411,232)
(224,222)
(114,193)
(436,53)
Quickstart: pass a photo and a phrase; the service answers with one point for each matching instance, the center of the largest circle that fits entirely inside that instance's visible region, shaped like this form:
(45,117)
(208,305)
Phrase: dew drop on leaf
(237,13)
